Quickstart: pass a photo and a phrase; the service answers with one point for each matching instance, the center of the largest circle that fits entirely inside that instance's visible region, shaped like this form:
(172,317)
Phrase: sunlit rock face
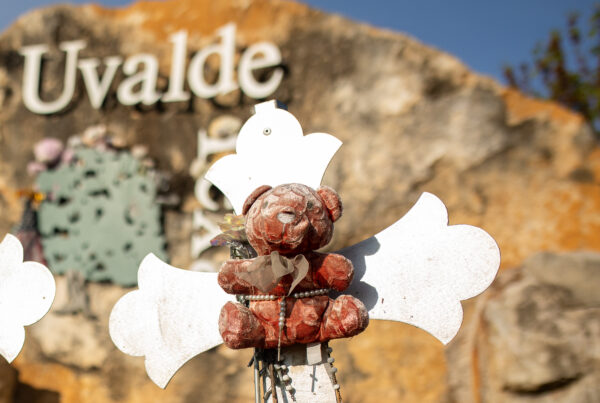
(534,336)
(412,119)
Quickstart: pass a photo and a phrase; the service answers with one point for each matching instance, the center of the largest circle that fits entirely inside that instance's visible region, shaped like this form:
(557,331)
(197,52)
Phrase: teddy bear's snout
(286,217)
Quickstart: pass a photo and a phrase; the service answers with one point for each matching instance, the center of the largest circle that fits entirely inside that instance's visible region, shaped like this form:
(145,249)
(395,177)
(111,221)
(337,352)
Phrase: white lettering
(252,60)
(145,79)
(206,147)
(96,88)
(176,80)
(32,71)
(226,51)
(142,71)
(201,242)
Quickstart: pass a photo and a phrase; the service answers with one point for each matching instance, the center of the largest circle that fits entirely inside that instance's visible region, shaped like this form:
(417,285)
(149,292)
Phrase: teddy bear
(283,292)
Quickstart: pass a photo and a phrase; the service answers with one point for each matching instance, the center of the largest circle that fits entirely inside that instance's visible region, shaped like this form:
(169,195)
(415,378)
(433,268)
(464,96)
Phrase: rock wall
(534,336)
(412,119)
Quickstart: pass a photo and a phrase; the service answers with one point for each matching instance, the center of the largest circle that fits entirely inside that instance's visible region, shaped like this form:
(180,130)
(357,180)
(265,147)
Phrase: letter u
(32,76)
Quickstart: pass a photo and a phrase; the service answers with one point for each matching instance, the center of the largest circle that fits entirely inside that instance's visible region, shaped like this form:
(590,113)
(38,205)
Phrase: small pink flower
(48,150)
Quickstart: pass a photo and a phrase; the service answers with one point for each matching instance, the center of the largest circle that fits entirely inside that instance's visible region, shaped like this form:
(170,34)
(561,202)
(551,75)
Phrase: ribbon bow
(266,271)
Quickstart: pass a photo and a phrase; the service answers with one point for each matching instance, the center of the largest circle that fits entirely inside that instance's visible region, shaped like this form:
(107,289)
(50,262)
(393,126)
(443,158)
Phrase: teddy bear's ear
(253,196)
(332,201)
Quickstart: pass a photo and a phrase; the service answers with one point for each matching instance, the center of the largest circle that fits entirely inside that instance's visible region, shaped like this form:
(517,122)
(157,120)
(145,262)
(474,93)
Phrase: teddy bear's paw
(240,328)
(345,317)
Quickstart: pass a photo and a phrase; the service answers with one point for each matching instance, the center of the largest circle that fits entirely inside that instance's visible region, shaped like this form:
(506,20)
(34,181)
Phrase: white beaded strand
(269,297)
(281,325)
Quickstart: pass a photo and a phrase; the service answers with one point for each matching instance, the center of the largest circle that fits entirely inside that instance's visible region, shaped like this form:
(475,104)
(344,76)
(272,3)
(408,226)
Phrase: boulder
(534,337)
(412,119)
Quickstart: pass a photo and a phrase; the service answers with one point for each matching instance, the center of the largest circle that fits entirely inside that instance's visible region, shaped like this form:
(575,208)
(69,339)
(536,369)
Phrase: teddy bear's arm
(229,281)
(331,270)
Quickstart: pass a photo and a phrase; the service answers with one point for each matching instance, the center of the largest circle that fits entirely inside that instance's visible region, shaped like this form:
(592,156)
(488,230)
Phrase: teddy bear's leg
(346,316)
(239,327)
(304,322)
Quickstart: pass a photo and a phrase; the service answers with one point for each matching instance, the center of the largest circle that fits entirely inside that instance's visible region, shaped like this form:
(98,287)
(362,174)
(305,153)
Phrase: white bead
(336,386)
(277,366)
(333,369)
(286,378)
(331,360)
(289,388)
(283,367)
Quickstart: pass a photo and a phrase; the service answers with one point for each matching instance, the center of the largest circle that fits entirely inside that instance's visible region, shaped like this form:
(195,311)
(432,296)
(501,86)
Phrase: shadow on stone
(27,394)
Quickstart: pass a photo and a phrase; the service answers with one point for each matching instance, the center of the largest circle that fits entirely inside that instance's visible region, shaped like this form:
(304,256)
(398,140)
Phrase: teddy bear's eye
(309,205)
(267,131)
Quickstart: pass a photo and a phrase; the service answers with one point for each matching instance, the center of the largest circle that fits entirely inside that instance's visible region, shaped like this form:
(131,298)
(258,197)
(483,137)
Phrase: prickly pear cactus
(100,216)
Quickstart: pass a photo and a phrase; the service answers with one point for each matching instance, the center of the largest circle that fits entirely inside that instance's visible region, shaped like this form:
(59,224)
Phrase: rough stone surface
(412,119)
(8,382)
(535,337)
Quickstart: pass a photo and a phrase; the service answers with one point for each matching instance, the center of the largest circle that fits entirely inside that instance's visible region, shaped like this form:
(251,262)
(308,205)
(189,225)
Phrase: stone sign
(142,73)
(412,119)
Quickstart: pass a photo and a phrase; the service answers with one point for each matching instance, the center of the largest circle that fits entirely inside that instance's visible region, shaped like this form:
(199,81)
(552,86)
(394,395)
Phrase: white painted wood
(27,290)
(419,269)
(311,383)
(172,317)
(272,150)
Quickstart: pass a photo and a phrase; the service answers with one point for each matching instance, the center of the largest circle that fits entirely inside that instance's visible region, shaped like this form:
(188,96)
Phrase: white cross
(416,271)
(26,293)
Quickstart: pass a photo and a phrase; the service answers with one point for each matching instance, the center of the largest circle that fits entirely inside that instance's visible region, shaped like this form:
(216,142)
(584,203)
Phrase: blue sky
(484,34)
